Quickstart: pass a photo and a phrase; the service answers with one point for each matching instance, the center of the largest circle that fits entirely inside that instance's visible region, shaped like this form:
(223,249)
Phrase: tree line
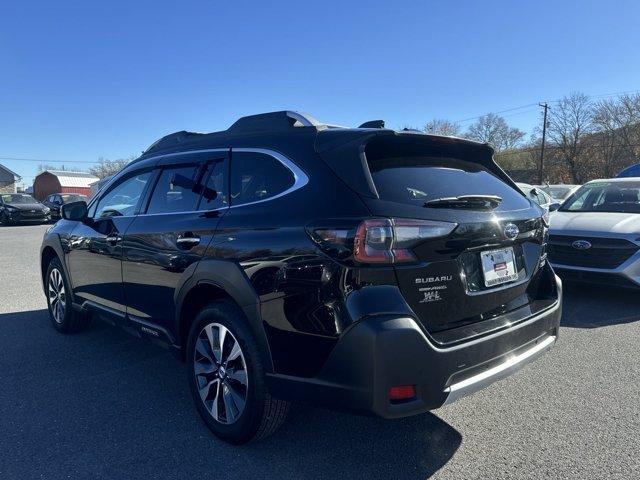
(585,139)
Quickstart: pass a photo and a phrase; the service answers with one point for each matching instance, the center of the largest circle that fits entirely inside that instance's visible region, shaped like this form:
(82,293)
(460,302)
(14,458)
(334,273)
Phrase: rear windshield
(416,180)
(73,198)
(559,192)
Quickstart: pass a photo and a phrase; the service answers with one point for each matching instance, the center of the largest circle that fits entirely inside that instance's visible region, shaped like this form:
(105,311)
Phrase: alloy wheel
(221,373)
(57,295)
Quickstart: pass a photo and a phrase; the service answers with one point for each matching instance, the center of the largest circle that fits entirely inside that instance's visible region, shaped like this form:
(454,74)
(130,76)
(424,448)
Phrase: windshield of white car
(18,198)
(621,197)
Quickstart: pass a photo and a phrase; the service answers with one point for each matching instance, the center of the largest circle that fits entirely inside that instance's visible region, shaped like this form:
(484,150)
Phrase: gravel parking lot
(102,404)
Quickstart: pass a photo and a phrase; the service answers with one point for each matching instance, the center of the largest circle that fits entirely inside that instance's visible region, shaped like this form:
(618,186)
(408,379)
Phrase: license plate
(498,266)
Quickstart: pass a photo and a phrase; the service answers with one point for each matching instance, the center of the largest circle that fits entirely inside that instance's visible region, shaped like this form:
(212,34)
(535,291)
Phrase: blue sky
(85,79)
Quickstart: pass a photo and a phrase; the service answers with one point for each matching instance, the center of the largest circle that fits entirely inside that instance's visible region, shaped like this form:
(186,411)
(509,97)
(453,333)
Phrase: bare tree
(493,129)
(570,120)
(439,126)
(618,121)
(611,140)
(45,166)
(106,167)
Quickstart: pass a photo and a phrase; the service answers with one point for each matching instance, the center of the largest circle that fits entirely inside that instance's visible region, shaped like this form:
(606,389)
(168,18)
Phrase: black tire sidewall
(229,315)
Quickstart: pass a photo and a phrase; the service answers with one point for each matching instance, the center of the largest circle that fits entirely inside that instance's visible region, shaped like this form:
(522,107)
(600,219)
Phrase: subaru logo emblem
(511,231)
(581,245)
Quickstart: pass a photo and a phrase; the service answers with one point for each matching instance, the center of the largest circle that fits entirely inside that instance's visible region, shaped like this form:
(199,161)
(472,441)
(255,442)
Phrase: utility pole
(544,137)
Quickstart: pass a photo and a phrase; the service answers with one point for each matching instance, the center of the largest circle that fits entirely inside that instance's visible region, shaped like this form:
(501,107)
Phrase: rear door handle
(187,241)
(113,239)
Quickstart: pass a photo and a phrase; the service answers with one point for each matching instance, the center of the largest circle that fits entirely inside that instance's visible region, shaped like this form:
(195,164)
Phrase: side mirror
(75,211)
(553,207)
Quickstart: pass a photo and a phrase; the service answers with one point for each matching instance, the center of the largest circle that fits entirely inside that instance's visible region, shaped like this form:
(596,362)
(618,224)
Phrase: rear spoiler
(344,152)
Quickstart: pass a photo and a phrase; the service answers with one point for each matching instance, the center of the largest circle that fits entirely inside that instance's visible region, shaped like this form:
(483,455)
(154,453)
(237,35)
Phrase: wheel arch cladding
(219,280)
(48,254)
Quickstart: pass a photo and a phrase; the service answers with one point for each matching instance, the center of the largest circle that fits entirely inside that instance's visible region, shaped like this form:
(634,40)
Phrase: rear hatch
(490,262)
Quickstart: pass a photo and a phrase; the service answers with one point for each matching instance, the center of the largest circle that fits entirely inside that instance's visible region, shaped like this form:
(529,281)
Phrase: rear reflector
(402,392)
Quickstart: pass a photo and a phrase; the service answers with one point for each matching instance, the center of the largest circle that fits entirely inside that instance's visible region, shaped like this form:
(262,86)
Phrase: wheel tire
(4,220)
(215,377)
(63,317)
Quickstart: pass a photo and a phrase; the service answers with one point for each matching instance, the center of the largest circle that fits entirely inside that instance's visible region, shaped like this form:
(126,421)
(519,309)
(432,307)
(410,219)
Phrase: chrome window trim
(97,196)
(207,150)
(300,179)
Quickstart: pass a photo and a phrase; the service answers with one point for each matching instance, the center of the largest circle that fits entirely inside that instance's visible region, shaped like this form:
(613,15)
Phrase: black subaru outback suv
(283,259)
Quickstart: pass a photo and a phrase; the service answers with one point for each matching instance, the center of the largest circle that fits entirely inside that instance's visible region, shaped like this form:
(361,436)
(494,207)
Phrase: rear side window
(176,191)
(417,179)
(256,177)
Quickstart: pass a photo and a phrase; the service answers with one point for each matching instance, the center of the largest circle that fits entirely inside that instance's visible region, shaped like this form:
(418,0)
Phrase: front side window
(543,199)
(123,199)
(177,190)
(256,177)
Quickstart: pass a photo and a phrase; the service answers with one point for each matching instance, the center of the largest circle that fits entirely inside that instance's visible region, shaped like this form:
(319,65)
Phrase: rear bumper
(385,351)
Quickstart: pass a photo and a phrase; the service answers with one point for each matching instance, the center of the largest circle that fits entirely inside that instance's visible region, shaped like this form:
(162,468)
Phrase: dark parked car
(56,200)
(284,259)
(21,208)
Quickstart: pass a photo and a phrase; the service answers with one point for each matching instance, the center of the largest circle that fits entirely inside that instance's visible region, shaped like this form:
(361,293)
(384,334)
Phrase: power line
(501,111)
(601,95)
(41,160)
(557,147)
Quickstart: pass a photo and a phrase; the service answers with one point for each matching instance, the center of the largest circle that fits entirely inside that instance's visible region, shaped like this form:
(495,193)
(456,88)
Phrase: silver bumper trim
(482,380)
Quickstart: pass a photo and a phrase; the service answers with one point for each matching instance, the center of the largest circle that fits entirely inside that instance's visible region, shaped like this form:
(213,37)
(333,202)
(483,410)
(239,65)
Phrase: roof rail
(271,121)
(263,122)
(172,139)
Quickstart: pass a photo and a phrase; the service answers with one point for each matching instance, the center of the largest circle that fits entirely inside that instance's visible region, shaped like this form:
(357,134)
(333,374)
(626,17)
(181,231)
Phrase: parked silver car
(595,235)
(559,192)
(536,194)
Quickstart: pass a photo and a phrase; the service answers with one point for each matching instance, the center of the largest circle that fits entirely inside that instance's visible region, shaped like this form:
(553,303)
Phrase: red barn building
(62,181)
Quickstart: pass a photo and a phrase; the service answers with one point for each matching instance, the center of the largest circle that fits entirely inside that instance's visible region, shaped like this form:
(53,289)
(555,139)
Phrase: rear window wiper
(465,201)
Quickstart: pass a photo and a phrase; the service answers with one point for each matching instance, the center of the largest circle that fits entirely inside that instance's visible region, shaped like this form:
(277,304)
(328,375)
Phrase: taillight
(380,240)
(402,392)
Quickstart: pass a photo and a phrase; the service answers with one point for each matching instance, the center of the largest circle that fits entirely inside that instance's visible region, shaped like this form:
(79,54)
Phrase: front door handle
(113,239)
(187,241)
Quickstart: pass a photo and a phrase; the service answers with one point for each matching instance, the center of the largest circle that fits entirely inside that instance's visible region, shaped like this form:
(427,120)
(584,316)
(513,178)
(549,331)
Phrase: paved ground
(103,405)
